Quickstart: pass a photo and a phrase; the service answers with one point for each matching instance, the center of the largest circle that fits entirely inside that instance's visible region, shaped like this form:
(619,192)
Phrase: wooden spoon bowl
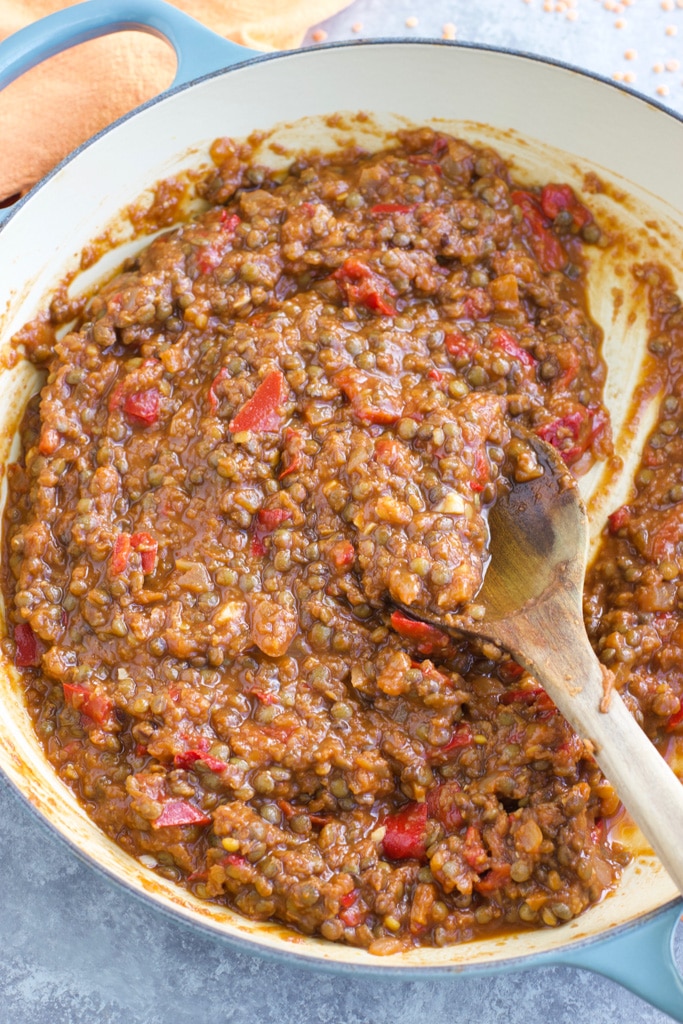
(530,604)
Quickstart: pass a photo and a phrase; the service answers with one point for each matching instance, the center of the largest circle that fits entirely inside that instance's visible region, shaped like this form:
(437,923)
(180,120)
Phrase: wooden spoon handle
(574,679)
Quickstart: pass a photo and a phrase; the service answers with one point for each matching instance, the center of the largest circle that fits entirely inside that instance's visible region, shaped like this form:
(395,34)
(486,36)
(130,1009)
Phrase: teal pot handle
(199,51)
(640,957)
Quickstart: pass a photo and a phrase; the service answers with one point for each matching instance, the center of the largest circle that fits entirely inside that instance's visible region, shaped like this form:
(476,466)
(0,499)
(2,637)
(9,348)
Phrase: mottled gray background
(78,950)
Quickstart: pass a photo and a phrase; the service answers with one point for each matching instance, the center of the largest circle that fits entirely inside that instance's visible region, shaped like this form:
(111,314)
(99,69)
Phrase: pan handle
(641,958)
(199,51)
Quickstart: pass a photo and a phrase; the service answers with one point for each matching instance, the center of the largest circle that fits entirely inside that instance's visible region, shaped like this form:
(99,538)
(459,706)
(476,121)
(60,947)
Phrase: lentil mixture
(282,417)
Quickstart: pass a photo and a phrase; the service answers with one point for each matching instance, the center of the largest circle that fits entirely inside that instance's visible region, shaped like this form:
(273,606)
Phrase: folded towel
(57,105)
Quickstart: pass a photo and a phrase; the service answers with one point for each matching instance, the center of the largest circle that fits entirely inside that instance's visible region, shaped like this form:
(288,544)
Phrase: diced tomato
(229,221)
(263,411)
(125,543)
(675,720)
(342,554)
(474,852)
(291,453)
(270,518)
(427,639)
(180,812)
(481,471)
(462,737)
(534,695)
(570,434)
(267,520)
(372,398)
(352,915)
(264,698)
(435,375)
(349,899)
(422,160)
(258,548)
(363,286)
(120,553)
(96,706)
(459,345)
(477,304)
(190,757)
(503,339)
(545,246)
(619,519)
(406,831)
(382,209)
(556,199)
(142,406)
(493,879)
(27,653)
(148,547)
(222,374)
(236,860)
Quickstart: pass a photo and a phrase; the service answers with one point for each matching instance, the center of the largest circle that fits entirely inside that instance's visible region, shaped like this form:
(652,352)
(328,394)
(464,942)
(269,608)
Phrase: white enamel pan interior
(553,123)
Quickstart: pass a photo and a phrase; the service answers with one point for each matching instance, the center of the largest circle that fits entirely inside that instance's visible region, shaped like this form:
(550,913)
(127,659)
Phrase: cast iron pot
(554,123)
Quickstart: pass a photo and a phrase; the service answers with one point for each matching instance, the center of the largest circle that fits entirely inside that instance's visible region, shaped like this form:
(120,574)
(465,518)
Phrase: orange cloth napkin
(57,105)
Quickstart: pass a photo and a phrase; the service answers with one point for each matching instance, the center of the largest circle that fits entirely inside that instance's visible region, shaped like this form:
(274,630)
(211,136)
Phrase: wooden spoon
(532,599)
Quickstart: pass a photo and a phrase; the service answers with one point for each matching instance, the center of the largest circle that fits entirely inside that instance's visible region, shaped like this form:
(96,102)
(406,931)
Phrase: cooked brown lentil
(279,418)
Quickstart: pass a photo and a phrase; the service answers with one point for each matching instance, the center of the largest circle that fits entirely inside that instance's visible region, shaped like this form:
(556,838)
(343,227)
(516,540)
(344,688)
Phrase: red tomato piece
(477,305)
(291,453)
(148,547)
(462,737)
(364,287)
(619,519)
(505,341)
(120,553)
(229,221)
(381,209)
(342,554)
(263,411)
(675,720)
(427,639)
(142,406)
(570,434)
(218,379)
(535,695)
(180,812)
(96,706)
(190,757)
(545,246)
(27,653)
(373,399)
(422,160)
(459,345)
(557,199)
(270,518)
(352,916)
(406,832)
(493,879)
(481,472)
(474,853)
